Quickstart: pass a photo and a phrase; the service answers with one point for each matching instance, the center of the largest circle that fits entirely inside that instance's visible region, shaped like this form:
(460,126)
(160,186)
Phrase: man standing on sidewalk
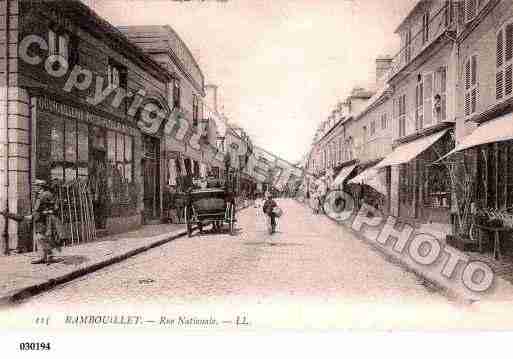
(45,220)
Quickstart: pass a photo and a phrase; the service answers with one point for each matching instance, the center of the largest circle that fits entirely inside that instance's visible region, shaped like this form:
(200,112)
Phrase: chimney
(383,64)
(211,98)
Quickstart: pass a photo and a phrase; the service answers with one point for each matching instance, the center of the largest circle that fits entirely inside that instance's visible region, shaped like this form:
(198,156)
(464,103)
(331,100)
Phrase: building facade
(69,119)
(423,78)
(189,142)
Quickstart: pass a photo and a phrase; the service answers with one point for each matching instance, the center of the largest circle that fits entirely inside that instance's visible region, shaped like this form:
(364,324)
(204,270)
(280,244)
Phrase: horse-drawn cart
(210,206)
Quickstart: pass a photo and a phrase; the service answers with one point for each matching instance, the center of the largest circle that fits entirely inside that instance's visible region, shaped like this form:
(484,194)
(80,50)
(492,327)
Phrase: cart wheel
(187,220)
(232,220)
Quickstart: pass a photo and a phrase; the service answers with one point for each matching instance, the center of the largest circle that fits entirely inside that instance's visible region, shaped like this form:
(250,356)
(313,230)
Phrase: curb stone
(34,289)
(445,290)
(31,290)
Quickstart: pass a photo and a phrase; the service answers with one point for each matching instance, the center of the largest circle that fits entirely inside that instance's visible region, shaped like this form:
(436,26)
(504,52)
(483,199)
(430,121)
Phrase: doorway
(150,166)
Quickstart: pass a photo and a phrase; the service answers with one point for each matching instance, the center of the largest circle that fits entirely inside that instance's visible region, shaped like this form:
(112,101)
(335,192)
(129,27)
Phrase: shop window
(495,175)
(384,123)
(69,149)
(504,63)
(437,186)
(471,85)
(407,183)
(120,154)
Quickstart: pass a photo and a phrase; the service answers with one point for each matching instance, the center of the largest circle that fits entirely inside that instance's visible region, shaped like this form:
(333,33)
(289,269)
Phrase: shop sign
(58,108)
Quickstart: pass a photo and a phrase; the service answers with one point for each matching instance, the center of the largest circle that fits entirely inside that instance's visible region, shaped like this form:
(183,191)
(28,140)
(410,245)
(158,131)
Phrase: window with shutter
(425,27)
(401,111)
(419,105)
(428,98)
(473,82)
(471,86)
(504,63)
(407,50)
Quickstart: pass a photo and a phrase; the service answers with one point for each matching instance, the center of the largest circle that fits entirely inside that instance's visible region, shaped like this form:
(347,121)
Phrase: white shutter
(509,42)
(508,60)
(428,98)
(508,80)
(467,87)
(499,76)
(470,10)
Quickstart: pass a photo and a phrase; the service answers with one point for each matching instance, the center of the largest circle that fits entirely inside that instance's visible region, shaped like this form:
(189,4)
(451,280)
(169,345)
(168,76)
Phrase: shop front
(372,186)
(420,187)
(90,157)
(487,156)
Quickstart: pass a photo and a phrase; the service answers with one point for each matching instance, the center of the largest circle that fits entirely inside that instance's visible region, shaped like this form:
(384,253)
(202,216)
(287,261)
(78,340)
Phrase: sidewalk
(453,287)
(20,278)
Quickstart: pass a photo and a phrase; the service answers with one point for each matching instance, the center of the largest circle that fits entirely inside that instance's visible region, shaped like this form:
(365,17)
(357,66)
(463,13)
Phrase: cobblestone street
(309,257)
(311,260)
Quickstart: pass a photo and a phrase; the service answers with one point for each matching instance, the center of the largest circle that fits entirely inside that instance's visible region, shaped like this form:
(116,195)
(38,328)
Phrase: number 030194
(34,346)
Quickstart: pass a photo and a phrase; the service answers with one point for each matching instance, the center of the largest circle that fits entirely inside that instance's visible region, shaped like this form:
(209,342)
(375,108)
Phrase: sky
(281,65)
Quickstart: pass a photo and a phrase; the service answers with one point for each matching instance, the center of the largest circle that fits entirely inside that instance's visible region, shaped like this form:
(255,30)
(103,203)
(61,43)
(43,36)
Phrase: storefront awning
(407,152)
(500,129)
(342,175)
(373,177)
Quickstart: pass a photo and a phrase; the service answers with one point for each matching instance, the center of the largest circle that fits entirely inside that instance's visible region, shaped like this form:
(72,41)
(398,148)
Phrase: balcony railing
(437,25)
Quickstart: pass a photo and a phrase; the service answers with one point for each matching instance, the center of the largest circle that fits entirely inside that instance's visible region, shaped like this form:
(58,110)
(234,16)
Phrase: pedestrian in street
(45,220)
(269,209)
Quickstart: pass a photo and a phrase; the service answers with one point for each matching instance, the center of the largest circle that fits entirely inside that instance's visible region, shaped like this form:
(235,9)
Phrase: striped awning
(497,130)
(342,175)
(373,177)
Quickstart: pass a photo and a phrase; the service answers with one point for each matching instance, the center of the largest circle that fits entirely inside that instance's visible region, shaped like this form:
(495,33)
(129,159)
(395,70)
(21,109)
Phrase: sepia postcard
(237,166)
